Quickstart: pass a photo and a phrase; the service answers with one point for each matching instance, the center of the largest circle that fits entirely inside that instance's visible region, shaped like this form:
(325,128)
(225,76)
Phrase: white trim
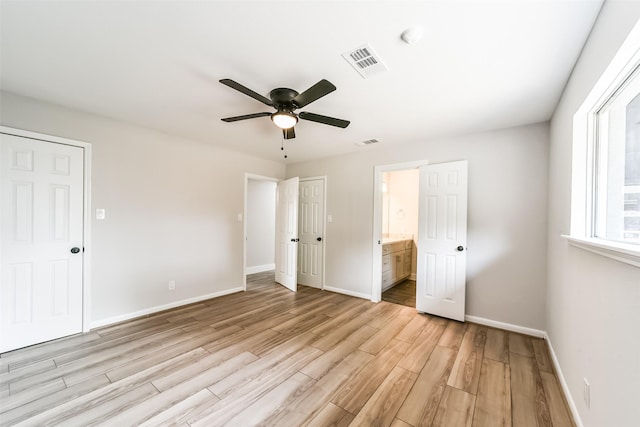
(86,232)
(324,225)
(147,311)
(347,292)
(376,242)
(622,252)
(506,326)
(259,268)
(563,384)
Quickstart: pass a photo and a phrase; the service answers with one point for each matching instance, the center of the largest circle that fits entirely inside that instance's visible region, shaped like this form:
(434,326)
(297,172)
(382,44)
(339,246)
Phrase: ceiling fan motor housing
(282,99)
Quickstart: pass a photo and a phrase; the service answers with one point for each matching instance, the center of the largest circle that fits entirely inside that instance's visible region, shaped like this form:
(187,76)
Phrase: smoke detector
(412,35)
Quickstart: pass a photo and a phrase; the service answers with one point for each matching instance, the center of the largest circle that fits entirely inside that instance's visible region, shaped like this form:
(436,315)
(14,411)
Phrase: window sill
(623,252)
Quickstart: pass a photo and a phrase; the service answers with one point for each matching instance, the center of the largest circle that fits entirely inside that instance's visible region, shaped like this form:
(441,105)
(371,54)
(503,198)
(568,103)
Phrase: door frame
(376,242)
(324,222)
(247,177)
(86,214)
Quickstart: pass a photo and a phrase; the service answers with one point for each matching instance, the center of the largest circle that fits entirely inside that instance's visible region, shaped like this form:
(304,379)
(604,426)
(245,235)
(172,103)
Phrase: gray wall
(593,303)
(261,224)
(171,204)
(507,217)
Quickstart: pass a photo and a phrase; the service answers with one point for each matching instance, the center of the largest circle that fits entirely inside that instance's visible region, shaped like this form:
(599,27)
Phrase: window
(605,198)
(617,165)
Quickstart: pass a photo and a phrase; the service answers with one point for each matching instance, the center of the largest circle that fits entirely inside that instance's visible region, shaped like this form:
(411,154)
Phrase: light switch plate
(329,218)
(101,214)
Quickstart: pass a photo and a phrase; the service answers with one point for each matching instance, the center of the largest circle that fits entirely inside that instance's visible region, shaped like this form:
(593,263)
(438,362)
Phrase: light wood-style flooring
(275,358)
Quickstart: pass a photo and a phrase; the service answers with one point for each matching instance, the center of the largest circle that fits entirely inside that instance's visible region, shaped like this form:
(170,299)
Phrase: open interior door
(442,240)
(287,233)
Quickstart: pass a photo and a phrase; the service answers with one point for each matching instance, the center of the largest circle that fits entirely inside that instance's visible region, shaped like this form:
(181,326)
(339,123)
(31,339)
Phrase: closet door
(41,254)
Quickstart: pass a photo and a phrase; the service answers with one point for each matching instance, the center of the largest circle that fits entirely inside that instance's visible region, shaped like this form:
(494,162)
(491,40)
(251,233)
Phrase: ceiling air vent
(365,61)
(367,142)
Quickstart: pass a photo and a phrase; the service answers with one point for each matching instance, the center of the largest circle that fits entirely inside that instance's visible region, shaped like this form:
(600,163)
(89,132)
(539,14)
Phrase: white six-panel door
(287,233)
(311,233)
(442,240)
(41,196)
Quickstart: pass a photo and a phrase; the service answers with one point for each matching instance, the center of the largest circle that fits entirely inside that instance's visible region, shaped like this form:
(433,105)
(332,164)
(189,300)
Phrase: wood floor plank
(307,406)
(268,404)
(112,390)
(421,405)
(452,335)
(52,400)
(331,415)
(497,345)
(403,293)
(287,352)
(528,401)
(456,409)
(236,400)
(341,332)
(493,402)
(211,367)
(381,408)
(520,344)
(419,352)
(106,411)
(333,356)
(413,329)
(16,400)
(560,416)
(466,369)
(378,341)
(542,355)
(358,389)
(397,422)
(199,337)
(178,413)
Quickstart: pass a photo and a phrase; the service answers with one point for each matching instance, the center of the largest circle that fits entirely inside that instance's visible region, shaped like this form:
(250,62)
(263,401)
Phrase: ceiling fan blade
(315,92)
(289,133)
(332,121)
(245,117)
(237,86)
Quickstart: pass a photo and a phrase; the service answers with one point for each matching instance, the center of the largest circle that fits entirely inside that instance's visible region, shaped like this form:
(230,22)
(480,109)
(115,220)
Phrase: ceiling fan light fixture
(284,119)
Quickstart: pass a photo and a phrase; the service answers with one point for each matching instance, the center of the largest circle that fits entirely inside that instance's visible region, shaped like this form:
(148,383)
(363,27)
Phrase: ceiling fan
(286,101)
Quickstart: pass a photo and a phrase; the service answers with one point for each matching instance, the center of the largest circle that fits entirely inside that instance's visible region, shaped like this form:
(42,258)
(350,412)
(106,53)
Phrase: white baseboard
(146,311)
(563,384)
(347,292)
(506,326)
(259,268)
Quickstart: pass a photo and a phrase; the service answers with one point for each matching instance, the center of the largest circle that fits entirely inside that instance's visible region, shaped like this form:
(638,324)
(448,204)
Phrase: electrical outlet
(172,285)
(586,393)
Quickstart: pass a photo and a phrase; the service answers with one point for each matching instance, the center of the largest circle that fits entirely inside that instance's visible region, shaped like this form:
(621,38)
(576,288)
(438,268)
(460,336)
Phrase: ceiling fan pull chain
(282,146)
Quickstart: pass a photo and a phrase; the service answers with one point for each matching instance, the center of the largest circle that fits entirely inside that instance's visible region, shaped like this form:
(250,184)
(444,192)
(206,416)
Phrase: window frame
(584,160)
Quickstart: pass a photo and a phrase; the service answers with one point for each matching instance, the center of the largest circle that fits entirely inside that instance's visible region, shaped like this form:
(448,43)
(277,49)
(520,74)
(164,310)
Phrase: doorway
(441,238)
(300,250)
(399,234)
(259,226)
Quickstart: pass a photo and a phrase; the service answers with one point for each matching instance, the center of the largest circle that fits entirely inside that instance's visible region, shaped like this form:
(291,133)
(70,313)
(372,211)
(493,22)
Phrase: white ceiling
(480,65)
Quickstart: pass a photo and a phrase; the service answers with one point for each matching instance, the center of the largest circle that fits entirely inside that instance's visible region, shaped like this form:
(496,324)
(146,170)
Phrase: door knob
(295,240)
(75,250)
(460,248)
(319,239)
